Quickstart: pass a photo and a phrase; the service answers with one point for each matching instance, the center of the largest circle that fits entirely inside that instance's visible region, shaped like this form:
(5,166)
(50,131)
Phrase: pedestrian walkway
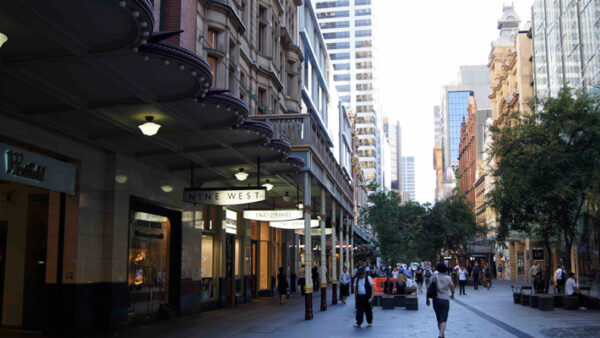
(480,313)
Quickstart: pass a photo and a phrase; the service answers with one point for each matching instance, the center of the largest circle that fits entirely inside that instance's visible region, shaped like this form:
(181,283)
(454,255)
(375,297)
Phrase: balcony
(303,133)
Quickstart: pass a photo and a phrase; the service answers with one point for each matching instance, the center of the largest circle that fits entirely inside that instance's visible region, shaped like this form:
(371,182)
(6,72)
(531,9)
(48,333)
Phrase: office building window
(341,66)
(339,56)
(335,24)
(336,35)
(333,14)
(341,77)
(362,12)
(363,22)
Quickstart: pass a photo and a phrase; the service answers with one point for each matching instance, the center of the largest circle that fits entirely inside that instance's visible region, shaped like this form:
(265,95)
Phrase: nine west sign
(273,215)
(224,197)
(21,166)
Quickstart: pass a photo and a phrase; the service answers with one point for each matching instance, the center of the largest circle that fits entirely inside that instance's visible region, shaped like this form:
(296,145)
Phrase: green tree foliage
(414,232)
(548,164)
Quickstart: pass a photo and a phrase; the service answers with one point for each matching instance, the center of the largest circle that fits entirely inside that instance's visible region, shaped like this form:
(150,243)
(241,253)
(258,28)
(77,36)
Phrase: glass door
(148,268)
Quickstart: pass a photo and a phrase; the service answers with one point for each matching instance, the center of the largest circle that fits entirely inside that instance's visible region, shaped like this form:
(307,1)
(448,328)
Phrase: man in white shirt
(364,297)
(559,278)
(462,280)
(411,286)
(572,289)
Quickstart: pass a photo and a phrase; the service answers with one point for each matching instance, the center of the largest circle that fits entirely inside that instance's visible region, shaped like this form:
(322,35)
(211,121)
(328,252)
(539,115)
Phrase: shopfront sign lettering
(33,169)
(295,224)
(273,215)
(15,166)
(313,232)
(224,197)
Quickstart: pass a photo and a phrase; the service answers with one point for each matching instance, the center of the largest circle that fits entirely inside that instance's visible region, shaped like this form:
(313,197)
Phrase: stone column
(323,254)
(334,281)
(342,232)
(308,313)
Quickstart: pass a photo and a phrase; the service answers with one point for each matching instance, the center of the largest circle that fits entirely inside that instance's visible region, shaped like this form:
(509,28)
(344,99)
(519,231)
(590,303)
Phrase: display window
(148,268)
(207,274)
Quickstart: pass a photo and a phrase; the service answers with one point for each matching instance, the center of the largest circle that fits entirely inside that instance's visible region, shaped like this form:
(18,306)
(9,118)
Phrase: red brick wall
(179,14)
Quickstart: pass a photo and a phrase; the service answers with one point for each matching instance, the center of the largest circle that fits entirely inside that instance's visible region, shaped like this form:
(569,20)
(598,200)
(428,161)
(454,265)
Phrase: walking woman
(419,275)
(282,285)
(344,285)
(301,279)
(441,303)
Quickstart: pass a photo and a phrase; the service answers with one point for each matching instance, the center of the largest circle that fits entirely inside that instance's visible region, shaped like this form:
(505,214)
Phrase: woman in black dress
(282,285)
(419,275)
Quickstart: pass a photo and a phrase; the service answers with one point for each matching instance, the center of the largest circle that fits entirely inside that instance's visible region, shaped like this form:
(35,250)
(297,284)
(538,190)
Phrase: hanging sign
(313,232)
(295,224)
(25,167)
(230,223)
(223,196)
(273,215)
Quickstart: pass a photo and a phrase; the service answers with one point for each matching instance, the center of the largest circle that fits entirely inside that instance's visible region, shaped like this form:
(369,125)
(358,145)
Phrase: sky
(420,47)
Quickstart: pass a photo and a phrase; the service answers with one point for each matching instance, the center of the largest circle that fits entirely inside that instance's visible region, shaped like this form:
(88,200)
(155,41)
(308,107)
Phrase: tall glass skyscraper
(347,27)
(566,45)
(408,176)
(457,112)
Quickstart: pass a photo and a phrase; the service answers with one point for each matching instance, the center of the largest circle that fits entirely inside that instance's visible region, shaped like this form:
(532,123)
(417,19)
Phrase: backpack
(427,273)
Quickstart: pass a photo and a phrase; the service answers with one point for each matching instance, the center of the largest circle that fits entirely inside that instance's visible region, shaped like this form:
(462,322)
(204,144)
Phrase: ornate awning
(93,70)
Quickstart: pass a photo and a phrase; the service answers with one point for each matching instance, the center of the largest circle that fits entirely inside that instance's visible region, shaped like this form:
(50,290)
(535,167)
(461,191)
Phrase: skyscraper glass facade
(457,111)
(347,27)
(408,176)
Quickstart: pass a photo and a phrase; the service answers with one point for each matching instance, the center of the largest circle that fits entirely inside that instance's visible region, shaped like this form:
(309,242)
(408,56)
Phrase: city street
(480,313)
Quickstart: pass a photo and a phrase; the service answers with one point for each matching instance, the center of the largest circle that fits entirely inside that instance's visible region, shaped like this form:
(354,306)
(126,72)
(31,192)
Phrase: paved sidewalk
(480,313)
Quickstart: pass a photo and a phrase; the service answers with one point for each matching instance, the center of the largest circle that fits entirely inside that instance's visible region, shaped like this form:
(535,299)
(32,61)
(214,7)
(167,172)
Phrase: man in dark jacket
(364,296)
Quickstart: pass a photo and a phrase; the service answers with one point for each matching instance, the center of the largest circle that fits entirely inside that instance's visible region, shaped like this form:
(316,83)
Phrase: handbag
(432,289)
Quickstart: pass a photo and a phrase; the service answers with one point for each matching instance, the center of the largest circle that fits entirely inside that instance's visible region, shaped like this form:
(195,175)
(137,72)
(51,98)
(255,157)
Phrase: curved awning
(94,70)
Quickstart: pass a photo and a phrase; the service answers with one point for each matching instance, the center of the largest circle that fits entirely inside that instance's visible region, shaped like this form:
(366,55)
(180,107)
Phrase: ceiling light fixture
(167,188)
(287,197)
(3,39)
(268,185)
(121,178)
(241,175)
(149,128)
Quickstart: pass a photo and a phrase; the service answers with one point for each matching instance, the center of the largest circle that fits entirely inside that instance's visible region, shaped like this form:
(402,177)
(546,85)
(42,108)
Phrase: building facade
(408,176)
(468,152)
(566,44)
(347,28)
(135,224)
(393,136)
(511,70)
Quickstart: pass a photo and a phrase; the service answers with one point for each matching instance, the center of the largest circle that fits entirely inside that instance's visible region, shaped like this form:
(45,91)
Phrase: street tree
(548,165)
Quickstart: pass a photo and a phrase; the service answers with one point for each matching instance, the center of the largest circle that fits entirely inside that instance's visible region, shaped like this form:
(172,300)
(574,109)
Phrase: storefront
(34,185)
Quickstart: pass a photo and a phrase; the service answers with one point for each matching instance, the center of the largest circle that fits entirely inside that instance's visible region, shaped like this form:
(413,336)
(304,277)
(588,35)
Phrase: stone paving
(480,313)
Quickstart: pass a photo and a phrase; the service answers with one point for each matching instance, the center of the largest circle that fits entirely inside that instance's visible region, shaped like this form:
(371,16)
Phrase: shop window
(264,253)
(208,280)
(148,271)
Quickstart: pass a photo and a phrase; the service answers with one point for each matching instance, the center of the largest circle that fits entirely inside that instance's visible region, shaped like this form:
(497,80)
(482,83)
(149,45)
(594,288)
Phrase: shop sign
(313,232)
(295,224)
(273,215)
(21,166)
(223,196)
(230,221)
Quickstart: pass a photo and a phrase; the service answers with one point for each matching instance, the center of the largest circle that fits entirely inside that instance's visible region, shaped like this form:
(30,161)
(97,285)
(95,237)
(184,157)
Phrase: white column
(323,243)
(307,242)
(333,244)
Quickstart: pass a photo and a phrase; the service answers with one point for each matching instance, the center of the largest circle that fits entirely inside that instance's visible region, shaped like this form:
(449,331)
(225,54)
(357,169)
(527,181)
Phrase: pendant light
(149,128)
(241,175)
(268,185)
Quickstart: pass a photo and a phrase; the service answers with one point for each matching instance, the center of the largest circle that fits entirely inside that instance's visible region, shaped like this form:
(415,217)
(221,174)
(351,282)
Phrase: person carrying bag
(441,284)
